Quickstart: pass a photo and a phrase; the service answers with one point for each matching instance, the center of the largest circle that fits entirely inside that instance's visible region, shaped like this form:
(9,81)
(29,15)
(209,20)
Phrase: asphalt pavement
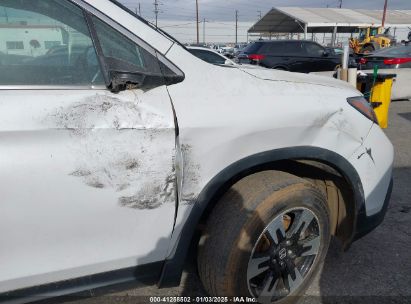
(376,269)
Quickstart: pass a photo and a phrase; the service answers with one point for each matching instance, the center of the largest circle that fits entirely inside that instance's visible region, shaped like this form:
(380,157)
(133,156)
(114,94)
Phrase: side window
(314,50)
(292,48)
(209,57)
(46,43)
(273,48)
(123,54)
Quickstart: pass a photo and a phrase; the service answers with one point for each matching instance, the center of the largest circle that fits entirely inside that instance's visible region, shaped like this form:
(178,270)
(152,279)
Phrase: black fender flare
(173,266)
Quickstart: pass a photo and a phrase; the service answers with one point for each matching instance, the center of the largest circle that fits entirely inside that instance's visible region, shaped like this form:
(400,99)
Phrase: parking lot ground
(377,268)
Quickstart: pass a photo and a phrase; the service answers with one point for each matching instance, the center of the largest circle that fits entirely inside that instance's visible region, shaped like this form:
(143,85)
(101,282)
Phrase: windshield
(374,32)
(363,33)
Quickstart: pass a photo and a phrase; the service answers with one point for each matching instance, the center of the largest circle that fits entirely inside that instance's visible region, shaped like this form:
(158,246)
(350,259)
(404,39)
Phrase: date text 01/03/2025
(202,300)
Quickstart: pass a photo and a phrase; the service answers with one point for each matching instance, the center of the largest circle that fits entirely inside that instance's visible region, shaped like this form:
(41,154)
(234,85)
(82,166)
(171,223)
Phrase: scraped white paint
(84,175)
(261,110)
(224,121)
(88,177)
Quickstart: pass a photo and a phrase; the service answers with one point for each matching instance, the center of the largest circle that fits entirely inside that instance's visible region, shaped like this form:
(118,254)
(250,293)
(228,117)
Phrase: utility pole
(156,10)
(385,13)
(204,22)
(260,14)
(236,27)
(198,30)
(5,14)
(139,9)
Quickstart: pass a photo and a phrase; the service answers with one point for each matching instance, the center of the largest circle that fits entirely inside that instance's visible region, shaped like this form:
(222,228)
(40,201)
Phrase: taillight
(364,107)
(257,57)
(396,61)
(363,60)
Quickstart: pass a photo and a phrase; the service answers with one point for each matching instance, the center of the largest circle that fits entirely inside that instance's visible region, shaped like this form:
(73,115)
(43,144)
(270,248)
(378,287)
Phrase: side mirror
(121,81)
(326,53)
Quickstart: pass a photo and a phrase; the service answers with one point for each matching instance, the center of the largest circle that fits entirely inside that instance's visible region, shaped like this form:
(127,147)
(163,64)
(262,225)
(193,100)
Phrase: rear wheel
(265,239)
(280,68)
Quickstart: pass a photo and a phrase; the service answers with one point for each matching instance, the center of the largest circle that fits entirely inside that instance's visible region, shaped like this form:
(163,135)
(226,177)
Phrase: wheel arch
(279,159)
(281,67)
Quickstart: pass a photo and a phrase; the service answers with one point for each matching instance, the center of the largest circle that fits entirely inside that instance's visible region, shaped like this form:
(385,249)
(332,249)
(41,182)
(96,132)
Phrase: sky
(249,10)
(178,17)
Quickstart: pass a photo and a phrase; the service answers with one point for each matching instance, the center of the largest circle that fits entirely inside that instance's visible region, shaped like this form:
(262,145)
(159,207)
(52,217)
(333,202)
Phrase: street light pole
(385,13)
(156,10)
(236,27)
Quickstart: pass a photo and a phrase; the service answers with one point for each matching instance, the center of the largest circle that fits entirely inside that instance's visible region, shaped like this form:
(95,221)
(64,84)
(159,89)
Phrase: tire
(237,232)
(281,69)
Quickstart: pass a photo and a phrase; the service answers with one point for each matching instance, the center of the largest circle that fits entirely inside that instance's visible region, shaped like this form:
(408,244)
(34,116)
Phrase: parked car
(389,58)
(239,49)
(290,55)
(227,52)
(201,45)
(210,56)
(336,50)
(110,180)
(218,47)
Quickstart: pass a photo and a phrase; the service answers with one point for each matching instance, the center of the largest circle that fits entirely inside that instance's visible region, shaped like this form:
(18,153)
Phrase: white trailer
(30,40)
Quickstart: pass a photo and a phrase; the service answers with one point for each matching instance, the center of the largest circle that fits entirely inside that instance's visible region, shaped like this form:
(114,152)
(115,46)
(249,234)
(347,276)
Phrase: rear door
(294,54)
(86,175)
(316,59)
(286,55)
(273,56)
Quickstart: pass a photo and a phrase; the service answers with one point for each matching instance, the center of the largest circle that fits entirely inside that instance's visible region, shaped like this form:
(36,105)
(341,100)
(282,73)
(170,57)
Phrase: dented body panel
(276,110)
(374,165)
(87,175)
(97,181)
(267,115)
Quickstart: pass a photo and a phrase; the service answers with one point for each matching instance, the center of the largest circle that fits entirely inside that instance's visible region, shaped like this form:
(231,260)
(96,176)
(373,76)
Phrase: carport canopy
(326,20)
